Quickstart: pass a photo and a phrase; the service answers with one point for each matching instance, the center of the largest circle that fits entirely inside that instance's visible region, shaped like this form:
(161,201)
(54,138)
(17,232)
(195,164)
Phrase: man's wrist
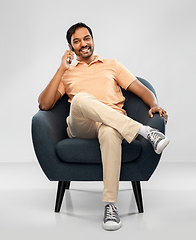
(154,106)
(62,69)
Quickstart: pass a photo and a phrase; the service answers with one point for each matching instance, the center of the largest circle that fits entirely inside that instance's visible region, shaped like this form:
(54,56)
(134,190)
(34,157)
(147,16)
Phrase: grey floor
(27,206)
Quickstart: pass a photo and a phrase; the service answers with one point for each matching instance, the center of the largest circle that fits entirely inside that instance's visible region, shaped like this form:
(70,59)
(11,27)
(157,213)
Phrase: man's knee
(80,98)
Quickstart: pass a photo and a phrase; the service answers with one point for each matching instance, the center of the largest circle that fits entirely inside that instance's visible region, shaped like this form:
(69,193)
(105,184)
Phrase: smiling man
(93,87)
(83,45)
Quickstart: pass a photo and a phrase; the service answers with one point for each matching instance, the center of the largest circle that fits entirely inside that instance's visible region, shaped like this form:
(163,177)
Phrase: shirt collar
(97,59)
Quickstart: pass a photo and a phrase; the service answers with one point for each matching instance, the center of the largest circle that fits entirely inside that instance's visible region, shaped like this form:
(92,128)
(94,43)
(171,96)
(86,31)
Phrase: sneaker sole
(109,226)
(162,145)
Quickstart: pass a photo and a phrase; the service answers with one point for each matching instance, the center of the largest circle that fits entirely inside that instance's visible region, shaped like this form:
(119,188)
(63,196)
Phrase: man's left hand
(161,112)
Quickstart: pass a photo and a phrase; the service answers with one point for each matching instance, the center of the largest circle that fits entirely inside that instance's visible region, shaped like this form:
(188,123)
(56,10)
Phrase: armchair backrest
(134,106)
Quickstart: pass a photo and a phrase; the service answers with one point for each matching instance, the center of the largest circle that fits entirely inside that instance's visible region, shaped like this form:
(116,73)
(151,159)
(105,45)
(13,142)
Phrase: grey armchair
(65,160)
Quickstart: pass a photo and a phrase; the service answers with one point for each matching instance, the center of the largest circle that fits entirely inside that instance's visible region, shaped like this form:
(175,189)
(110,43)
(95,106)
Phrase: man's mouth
(85,49)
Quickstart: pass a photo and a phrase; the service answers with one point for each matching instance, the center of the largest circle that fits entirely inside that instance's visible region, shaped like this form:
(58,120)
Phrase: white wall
(154,39)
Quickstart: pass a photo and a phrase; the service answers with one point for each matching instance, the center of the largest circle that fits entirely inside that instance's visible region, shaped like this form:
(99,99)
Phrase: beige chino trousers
(91,119)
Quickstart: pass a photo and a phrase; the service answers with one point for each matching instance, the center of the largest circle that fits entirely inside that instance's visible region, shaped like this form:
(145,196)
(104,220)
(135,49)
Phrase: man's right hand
(50,95)
(65,63)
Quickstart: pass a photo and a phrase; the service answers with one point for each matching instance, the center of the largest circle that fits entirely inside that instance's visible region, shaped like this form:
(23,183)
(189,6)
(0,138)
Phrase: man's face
(82,43)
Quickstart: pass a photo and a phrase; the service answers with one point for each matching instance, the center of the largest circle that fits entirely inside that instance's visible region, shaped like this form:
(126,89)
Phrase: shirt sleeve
(123,76)
(61,88)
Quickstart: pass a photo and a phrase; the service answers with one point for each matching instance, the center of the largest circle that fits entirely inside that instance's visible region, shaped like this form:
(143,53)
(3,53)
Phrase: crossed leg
(91,119)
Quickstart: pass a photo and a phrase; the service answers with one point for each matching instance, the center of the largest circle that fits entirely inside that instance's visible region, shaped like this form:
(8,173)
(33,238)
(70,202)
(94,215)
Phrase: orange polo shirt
(102,79)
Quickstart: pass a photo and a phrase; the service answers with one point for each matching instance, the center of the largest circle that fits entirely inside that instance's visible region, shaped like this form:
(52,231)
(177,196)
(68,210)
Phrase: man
(93,86)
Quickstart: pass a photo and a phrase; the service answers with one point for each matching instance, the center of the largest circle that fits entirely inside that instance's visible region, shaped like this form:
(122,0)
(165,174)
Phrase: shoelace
(110,212)
(153,137)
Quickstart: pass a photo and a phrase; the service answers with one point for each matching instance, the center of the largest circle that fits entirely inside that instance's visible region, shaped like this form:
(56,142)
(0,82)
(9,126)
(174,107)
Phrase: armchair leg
(138,195)
(62,185)
(67,185)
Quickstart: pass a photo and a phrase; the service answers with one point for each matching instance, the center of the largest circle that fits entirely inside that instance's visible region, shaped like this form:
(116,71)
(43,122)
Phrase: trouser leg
(79,125)
(86,112)
(110,145)
(90,118)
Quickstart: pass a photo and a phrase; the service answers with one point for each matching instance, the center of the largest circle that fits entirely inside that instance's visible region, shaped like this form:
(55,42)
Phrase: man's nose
(83,43)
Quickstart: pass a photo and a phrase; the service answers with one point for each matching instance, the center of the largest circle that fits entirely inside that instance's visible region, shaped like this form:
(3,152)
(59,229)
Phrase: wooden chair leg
(138,195)
(62,185)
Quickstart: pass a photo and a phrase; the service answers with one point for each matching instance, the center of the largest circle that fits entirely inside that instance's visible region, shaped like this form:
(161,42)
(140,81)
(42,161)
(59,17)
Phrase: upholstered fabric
(88,151)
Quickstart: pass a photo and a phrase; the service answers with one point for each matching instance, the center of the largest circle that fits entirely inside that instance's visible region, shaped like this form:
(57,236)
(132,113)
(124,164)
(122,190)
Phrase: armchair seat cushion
(88,151)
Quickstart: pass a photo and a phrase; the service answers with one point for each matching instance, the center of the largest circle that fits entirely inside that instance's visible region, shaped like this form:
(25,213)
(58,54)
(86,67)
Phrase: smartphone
(69,60)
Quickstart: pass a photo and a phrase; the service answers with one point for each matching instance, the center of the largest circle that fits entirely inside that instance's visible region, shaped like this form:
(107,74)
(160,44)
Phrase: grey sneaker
(158,140)
(111,219)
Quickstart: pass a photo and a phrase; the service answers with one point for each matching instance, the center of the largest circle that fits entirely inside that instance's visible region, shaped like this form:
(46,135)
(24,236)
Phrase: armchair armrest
(48,128)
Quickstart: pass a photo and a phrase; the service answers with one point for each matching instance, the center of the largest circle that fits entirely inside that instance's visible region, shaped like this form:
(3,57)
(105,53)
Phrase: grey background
(154,39)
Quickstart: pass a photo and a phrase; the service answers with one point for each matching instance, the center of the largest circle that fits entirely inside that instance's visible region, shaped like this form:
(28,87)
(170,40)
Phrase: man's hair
(73,28)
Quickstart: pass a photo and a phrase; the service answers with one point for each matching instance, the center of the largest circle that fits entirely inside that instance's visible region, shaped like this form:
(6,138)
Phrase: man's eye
(87,39)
